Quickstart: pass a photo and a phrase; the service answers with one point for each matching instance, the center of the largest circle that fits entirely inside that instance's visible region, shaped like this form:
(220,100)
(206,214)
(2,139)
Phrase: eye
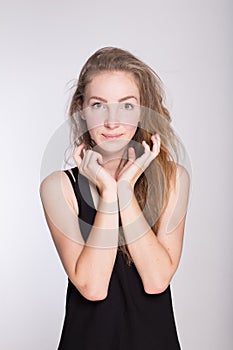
(128,106)
(97,105)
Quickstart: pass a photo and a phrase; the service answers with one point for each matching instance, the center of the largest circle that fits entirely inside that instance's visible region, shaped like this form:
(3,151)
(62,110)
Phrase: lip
(112,136)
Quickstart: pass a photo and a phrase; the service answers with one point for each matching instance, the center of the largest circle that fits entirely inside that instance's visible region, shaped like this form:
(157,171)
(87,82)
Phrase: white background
(43,46)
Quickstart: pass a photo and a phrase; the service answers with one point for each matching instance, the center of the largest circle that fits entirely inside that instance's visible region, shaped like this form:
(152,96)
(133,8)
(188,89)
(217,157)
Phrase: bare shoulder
(182,177)
(177,202)
(60,209)
(55,182)
(182,171)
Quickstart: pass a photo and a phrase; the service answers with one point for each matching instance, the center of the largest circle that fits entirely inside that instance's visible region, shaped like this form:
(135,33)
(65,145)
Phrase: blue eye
(97,105)
(128,106)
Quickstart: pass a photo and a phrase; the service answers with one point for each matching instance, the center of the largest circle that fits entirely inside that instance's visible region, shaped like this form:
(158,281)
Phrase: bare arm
(89,266)
(95,263)
(156,257)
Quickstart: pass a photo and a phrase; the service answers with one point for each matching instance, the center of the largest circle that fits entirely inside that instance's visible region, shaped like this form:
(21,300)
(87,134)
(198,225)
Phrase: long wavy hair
(153,186)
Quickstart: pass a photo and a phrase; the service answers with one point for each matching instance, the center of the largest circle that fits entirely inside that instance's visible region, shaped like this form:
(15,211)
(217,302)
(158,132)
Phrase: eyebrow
(105,101)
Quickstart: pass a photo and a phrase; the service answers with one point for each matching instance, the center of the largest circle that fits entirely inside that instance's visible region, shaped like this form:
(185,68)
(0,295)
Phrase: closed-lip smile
(111,136)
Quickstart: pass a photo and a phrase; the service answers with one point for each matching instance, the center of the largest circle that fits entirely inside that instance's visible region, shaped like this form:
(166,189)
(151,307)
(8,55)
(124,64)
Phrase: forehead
(112,85)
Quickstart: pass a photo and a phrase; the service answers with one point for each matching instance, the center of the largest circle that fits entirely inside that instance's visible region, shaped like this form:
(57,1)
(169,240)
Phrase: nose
(112,120)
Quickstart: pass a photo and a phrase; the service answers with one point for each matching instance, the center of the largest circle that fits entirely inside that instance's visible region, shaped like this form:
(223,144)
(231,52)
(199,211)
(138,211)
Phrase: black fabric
(129,318)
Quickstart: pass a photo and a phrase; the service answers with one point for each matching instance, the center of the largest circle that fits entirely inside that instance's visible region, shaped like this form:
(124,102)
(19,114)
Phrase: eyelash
(95,104)
(126,104)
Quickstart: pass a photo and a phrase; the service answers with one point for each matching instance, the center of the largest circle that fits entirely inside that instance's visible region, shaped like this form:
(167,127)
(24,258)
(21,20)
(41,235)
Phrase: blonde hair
(152,196)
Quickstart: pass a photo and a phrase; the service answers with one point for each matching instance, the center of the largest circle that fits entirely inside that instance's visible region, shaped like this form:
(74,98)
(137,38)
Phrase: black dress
(128,318)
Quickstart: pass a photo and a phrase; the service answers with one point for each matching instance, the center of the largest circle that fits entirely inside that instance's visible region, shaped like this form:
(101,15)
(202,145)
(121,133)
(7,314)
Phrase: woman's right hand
(90,166)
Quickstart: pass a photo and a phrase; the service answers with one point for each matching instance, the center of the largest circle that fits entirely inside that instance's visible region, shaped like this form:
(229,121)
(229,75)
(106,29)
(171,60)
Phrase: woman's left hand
(135,167)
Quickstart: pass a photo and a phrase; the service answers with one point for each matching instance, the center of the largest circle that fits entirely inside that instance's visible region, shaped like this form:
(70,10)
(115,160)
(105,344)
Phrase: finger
(131,159)
(144,160)
(100,160)
(131,154)
(95,160)
(89,166)
(157,137)
(156,142)
(145,145)
(79,149)
(77,154)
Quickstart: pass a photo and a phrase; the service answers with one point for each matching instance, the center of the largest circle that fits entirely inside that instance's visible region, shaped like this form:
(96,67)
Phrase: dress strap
(70,177)
(75,172)
(85,201)
(74,184)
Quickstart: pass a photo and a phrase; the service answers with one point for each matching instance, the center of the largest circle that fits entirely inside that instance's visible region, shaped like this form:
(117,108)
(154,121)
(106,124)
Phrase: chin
(112,146)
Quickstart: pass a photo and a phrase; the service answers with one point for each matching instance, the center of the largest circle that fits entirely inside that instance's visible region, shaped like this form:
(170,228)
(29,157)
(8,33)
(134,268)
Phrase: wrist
(109,194)
(125,193)
(124,185)
(108,203)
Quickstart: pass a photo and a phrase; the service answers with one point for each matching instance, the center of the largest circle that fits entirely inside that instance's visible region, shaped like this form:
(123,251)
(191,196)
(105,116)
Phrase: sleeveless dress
(128,318)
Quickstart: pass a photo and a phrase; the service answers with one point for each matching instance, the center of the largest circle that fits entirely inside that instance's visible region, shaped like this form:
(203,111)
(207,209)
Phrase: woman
(117,218)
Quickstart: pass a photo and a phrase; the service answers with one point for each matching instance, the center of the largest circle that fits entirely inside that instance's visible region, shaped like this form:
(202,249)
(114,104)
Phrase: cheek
(94,118)
(92,132)
(131,118)
(130,123)
(130,130)
(92,124)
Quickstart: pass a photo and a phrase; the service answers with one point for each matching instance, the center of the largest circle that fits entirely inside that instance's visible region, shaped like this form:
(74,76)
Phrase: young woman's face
(112,110)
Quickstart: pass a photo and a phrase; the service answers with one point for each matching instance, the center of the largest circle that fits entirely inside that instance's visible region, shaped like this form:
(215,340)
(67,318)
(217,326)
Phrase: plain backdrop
(43,47)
